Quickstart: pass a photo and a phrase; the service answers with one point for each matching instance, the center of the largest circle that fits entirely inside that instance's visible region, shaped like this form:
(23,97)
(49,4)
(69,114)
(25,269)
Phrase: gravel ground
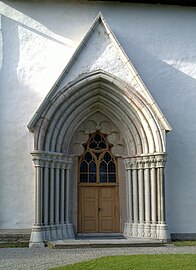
(44,258)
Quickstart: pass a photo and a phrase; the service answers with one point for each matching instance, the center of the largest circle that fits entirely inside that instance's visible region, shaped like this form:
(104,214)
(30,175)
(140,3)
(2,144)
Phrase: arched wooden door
(98,202)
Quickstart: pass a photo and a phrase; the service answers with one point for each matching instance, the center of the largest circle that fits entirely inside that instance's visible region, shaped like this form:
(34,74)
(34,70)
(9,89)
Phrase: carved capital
(51,159)
(147,162)
(160,161)
(127,162)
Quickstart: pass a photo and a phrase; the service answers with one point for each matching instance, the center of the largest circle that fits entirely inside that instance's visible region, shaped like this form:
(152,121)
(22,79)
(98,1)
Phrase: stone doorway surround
(140,141)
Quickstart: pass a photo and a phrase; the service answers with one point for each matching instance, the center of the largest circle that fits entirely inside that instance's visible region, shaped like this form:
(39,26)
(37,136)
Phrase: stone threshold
(103,242)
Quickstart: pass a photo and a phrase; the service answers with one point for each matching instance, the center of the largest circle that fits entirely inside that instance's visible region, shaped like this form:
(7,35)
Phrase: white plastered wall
(38,39)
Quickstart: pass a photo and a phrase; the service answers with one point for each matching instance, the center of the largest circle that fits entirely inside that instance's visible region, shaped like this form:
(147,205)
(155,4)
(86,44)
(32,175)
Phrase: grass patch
(137,262)
(184,243)
(14,245)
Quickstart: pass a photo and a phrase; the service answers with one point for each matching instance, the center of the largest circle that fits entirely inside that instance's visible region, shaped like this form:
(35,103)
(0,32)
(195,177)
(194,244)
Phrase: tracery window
(97,164)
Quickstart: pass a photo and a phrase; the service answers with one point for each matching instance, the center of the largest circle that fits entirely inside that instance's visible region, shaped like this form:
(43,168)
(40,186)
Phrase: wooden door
(98,211)
(98,205)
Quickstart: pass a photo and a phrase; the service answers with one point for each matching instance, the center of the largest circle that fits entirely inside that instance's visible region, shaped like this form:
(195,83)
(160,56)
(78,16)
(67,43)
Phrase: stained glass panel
(83,177)
(88,157)
(103,167)
(83,167)
(102,145)
(111,167)
(107,157)
(97,138)
(112,177)
(92,177)
(103,177)
(93,145)
(92,167)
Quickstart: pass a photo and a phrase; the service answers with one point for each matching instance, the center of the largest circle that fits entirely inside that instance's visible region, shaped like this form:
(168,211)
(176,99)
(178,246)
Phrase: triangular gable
(100,49)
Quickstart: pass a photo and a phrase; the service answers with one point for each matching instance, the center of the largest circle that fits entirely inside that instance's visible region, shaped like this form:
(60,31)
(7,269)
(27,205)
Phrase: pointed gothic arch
(143,129)
(99,91)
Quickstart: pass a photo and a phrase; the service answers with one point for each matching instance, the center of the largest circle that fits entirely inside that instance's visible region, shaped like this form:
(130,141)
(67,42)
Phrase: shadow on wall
(175,94)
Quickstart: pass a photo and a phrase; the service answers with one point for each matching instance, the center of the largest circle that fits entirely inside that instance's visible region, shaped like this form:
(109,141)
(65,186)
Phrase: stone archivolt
(99,91)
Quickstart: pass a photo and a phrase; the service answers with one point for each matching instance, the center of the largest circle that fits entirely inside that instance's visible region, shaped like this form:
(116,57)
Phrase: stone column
(63,202)
(158,196)
(162,197)
(46,208)
(52,193)
(147,197)
(46,199)
(153,199)
(141,199)
(135,200)
(68,195)
(37,237)
(57,194)
(128,224)
(70,232)
(129,196)
(62,195)
(162,232)
(38,192)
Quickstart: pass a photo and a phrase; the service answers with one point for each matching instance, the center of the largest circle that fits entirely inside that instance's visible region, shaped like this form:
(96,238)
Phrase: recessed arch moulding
(125,112)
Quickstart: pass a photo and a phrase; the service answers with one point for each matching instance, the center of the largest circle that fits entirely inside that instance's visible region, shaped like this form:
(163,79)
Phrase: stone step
(14,235)
(103,243)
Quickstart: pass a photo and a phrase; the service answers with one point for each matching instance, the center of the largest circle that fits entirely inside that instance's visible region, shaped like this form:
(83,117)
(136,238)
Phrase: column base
(41,234)
(153,231)
(37,237)
(163,233)
(70,231)
(141,230)
(147,231)
(128,229)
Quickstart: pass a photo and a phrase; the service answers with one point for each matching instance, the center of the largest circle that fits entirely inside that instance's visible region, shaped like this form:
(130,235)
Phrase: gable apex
(100,50)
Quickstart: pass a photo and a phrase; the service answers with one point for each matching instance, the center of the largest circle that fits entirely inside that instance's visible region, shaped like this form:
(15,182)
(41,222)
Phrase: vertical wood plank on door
(89,209)
(107,209)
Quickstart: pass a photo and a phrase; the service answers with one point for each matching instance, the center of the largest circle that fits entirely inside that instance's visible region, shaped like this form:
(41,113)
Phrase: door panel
(89,214)
(107,209)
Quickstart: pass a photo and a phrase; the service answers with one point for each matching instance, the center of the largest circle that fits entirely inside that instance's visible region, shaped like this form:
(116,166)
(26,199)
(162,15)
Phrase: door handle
(99,209)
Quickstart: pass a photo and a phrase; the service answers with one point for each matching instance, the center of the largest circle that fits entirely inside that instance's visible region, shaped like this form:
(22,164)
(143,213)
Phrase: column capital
(127,162)
(134,165)
(51,159)
(160,161)
(140,164)
(68,165)
(38,162)
(147,162)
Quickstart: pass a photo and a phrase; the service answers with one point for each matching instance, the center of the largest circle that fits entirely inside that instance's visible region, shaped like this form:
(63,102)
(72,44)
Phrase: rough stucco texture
(38,39)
